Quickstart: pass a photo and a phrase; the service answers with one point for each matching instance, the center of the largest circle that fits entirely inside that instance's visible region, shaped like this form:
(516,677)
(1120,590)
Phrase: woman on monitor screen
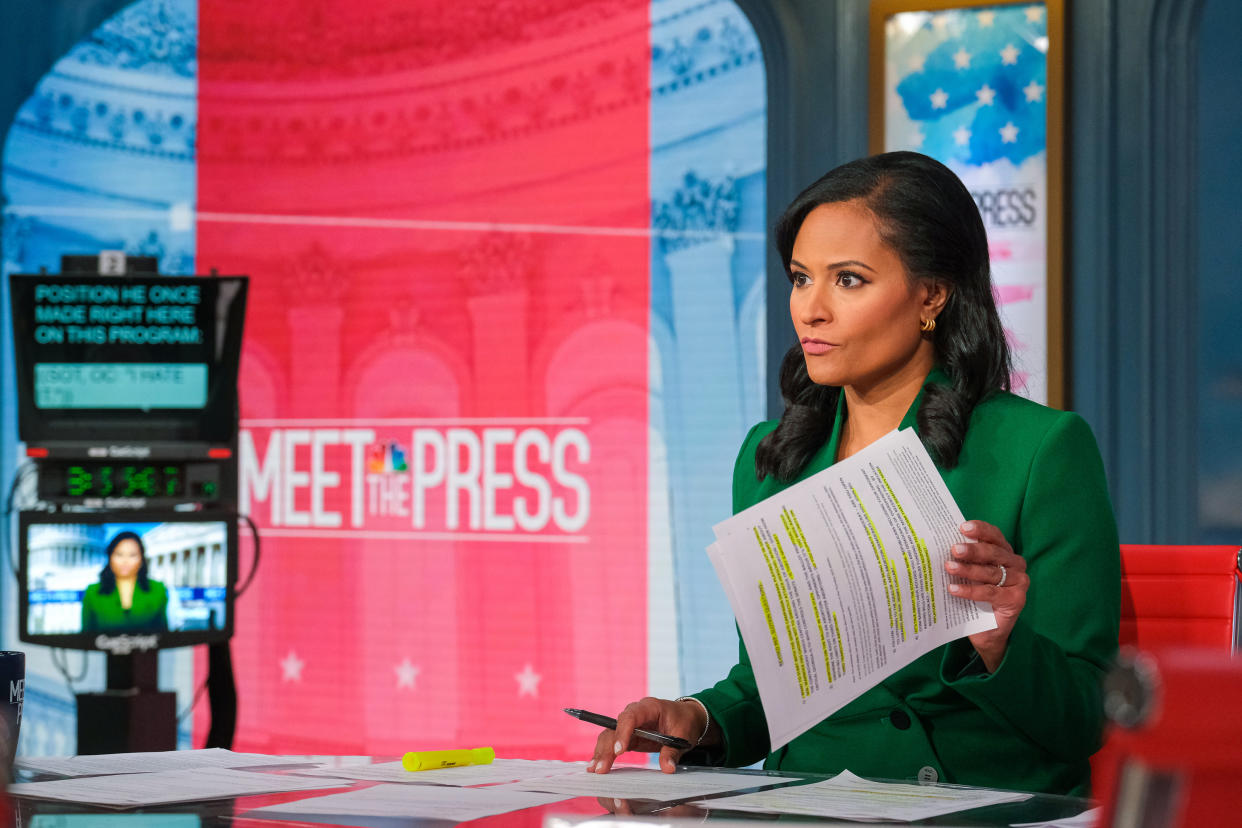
(125,600)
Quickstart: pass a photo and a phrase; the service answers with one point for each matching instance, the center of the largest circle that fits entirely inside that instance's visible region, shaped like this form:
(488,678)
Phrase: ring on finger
(1004,576)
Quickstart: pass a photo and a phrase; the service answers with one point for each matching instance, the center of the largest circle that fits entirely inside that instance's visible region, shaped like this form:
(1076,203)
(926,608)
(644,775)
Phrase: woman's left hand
(993,573)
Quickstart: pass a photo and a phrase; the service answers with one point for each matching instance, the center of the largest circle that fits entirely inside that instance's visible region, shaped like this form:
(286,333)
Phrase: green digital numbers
(139,481)
(79,481)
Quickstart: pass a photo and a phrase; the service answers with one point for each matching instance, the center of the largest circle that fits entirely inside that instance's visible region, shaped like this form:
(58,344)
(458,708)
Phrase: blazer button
(899,719)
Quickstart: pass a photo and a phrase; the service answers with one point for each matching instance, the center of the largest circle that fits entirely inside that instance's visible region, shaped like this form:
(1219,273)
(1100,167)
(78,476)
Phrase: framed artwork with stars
(979,85)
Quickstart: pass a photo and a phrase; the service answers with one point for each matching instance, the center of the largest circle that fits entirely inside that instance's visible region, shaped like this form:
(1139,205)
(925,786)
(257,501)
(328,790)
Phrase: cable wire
(198,694)
(60,660)
(254,565)
(23,471)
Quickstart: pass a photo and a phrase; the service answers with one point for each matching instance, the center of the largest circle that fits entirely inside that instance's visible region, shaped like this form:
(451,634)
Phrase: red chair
(1174,596)
(1181,596)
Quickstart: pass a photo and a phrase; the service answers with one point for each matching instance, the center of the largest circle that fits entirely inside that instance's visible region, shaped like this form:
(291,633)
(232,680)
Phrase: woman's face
(126,559)
(856,310)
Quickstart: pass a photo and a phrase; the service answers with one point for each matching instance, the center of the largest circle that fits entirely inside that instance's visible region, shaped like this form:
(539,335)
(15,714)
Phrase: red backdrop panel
(444,382)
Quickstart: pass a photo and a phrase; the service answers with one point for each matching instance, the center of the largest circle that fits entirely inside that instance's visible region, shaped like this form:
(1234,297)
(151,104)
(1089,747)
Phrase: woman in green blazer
(891,298)
(125,600)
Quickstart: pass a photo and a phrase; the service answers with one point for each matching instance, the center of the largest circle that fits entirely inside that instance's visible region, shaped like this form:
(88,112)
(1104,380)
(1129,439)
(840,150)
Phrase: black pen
(611,723)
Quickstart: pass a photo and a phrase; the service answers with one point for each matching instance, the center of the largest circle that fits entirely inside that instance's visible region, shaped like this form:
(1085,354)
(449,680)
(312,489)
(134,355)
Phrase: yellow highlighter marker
(420,760)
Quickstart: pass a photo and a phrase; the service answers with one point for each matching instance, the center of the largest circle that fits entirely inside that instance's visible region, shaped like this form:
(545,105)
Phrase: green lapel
(911,419)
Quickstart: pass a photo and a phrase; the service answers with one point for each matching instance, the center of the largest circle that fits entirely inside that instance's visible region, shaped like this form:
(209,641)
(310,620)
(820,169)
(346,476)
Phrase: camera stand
(132,714)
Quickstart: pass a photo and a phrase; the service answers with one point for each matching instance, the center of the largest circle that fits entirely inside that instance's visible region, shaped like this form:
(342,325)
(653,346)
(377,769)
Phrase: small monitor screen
(120,575)
(142,358)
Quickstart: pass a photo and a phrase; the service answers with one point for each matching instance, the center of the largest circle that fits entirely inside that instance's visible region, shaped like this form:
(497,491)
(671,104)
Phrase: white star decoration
(939,99)
(1034,92)
(291,667)
(1009,133)
(528,681)
(986,19)
(940,21)
(961,136)
(916,63)
(961,59)
(985,95)
(407,674)
(1033,14)
(916,138)
(1009,55)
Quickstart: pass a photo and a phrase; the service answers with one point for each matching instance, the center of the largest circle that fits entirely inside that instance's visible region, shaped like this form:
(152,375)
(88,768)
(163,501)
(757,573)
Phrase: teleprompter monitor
(134,358)
(125,580)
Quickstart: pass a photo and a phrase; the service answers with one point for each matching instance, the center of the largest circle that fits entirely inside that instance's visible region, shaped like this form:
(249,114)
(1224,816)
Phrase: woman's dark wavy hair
(925,214)
(107,578)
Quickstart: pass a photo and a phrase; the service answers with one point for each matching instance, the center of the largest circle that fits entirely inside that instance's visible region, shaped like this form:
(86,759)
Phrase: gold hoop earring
(927,325)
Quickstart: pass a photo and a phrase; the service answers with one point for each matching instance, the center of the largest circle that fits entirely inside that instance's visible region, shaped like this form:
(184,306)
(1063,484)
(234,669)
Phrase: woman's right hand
(675,718)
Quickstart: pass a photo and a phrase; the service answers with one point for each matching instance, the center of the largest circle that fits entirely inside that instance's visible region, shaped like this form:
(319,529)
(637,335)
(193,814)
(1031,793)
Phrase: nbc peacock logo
(386,457)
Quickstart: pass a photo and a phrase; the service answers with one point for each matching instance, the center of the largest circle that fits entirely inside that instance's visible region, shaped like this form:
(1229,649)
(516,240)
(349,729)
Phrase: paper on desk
(134,790)
(421,801)
(846,796)
(110,763)
(499,770)
(647,783)
(838,581)
(1084,820)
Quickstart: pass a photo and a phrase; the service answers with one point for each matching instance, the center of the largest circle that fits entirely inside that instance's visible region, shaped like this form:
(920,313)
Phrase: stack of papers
(443,794)
(410,801)
(135,790)
(112,763)
(500,770)
(647,783)
(846,796)
(838,581)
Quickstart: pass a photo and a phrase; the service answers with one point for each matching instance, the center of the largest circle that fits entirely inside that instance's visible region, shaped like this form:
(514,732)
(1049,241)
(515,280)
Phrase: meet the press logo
(17,695)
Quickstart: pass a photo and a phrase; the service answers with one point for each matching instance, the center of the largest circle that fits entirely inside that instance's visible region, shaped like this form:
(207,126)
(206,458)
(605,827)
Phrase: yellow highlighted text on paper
(767,613)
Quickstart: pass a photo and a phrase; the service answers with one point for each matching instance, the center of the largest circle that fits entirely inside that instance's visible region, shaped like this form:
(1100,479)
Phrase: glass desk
(31,813)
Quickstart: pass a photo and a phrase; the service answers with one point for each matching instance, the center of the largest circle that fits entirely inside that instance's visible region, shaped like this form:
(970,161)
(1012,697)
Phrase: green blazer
(1036,474)
(147,613)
